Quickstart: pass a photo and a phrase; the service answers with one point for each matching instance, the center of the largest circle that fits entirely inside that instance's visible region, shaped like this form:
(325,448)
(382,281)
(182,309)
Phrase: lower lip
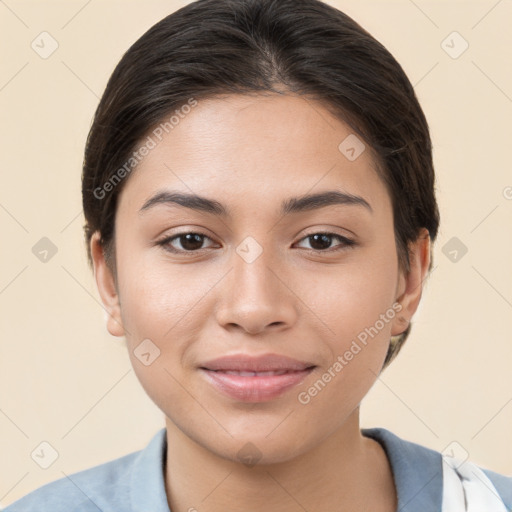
(256,388)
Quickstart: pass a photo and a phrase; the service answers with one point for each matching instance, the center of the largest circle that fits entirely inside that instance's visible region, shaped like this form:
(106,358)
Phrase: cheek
(161,311)
(355,308)
(163,302)
(352,298)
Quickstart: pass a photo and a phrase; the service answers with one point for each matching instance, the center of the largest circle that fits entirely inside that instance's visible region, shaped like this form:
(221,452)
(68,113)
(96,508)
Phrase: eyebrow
(291,205)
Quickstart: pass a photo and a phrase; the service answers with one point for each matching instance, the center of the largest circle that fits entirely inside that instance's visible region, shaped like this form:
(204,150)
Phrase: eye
(321,242)
(192,241)
(184,242)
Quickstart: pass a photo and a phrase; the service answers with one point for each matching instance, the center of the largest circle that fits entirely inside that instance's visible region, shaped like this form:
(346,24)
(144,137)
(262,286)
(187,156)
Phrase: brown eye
(322,241)
(184,242)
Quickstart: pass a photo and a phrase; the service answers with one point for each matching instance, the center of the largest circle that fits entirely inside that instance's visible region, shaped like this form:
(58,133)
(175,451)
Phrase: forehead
(253,149)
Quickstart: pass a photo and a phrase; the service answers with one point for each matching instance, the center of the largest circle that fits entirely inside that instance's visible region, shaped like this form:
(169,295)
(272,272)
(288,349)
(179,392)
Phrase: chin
(255,447)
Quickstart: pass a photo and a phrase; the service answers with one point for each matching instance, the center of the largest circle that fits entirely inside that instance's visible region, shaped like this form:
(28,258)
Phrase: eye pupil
(191,241)
(325,241)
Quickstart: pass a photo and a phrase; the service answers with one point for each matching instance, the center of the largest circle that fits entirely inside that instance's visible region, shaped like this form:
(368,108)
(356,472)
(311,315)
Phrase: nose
(254,299)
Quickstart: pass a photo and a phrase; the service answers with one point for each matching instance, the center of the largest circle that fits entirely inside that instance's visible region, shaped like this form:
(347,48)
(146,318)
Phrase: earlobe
(411,285)
(106,287)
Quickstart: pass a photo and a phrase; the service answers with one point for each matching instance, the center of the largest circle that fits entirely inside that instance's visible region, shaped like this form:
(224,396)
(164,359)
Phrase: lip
(255,378)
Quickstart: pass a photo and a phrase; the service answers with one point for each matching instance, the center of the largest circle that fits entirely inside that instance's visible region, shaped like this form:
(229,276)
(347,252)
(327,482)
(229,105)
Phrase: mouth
(255,379)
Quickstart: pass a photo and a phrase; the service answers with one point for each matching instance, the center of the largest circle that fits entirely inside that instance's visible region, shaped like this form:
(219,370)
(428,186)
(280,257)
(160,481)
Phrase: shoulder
(418,473)
(503,485)
(83,491)
(109,487)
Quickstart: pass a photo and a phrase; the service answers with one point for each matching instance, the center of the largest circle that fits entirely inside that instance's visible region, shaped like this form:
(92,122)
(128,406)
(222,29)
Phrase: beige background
(66,381)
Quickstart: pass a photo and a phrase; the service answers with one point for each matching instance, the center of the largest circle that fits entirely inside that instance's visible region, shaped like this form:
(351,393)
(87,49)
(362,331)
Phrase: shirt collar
(147,486)
(417,472)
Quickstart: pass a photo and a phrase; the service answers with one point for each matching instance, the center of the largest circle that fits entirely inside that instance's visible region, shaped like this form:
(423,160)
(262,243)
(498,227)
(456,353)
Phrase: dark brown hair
(216,47)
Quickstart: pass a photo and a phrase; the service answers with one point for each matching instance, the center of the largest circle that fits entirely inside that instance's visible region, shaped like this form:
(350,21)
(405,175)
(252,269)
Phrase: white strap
(466,488)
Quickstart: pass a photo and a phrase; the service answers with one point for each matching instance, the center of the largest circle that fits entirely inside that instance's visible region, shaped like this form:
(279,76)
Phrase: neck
(346,471)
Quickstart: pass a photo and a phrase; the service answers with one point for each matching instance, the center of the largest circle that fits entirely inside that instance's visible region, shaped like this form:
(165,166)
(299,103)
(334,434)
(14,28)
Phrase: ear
(106,287)
(410,284)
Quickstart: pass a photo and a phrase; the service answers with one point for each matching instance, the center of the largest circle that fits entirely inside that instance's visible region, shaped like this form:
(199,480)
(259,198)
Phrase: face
(300,297)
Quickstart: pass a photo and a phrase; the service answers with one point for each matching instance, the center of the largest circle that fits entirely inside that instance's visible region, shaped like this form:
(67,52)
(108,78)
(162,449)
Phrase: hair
(211,48)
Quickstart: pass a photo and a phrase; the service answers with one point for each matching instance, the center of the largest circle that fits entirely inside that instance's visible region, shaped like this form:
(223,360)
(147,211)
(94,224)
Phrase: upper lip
(261,363)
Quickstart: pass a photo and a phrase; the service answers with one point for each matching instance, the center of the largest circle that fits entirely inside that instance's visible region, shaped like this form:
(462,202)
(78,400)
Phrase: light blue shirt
(135,482)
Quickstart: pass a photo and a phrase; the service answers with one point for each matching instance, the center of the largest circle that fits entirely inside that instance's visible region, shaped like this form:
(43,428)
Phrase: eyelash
(346,243)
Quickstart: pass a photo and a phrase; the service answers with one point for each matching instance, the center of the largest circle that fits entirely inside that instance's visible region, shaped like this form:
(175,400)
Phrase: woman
(260,210)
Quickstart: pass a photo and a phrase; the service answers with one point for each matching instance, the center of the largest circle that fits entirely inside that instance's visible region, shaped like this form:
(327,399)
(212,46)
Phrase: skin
(250,153)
